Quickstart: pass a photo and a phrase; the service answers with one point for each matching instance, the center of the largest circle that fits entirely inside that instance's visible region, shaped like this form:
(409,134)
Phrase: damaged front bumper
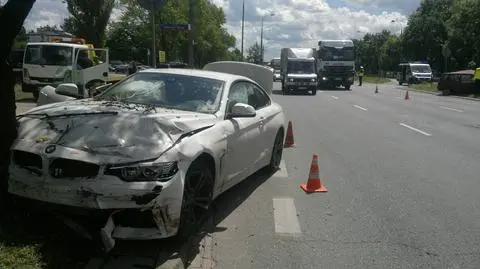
(136,210)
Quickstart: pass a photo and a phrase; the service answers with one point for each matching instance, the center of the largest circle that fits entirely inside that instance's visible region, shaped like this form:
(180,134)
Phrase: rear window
(466,78)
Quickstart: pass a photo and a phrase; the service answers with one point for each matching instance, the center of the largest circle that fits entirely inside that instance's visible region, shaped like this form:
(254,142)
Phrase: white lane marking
(285,216)
(359,107)
(399,98)
(334,97)
(415,129)
(282,172)
(453,109)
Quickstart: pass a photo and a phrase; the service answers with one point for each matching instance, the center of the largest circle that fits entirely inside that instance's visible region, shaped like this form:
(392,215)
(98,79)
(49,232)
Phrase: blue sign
(172,26)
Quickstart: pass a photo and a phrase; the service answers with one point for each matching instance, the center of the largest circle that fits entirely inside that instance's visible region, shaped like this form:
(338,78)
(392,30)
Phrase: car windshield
(183,92)
(49,55)
(337,54)
(300,67)
(420,68)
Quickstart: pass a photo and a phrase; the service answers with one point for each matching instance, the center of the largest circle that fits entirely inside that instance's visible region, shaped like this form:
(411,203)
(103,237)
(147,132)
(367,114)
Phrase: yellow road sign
(161,56)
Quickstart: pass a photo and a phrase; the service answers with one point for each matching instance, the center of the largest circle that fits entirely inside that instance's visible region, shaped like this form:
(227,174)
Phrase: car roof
(197,73)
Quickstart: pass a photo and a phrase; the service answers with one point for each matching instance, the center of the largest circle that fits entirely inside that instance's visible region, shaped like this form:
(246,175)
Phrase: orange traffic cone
(313,183)
(376,89)
(289,141)
(407,96)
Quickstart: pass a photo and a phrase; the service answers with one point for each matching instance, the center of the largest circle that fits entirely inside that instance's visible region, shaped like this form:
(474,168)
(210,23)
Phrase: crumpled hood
(129,131)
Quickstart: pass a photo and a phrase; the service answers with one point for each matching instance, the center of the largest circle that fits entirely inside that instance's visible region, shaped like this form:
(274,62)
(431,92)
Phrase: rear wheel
(348,87)
(277,152)
(314,91)
(36,94)
(197,198)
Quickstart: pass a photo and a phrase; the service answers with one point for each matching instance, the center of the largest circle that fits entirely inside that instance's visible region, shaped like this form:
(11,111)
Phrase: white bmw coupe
(151,152)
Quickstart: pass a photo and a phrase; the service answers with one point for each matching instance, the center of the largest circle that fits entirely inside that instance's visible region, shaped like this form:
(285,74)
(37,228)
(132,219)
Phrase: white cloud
(296,23)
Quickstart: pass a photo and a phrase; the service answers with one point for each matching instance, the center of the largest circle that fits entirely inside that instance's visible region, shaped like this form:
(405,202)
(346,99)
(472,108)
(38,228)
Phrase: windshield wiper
(45,115)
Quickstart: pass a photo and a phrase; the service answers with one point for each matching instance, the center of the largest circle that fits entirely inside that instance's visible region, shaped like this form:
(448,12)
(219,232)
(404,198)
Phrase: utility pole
(154,39)
(243,25)
(261,42)
(191,33)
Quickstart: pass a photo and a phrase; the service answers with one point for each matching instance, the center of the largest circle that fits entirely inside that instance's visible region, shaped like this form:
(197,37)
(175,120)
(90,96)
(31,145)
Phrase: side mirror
(241,110)
(67,89)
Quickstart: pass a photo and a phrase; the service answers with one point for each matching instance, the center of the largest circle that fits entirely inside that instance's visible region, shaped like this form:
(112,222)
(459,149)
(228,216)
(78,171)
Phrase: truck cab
(336,63)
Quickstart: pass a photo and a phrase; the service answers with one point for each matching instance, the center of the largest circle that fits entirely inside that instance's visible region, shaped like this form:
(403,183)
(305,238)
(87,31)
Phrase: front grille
(302,79)
(65,168)
(46,80)
(27,159)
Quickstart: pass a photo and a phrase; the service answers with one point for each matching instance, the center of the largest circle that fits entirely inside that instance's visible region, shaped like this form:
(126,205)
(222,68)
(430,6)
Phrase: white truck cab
(52,63)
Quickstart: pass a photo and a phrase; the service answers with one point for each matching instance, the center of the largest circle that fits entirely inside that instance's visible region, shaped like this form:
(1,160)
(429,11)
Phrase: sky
(295,23)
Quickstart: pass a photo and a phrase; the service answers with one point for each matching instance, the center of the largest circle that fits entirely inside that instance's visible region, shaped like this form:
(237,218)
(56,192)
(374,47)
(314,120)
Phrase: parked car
(459,82)
(172,65)
(149,154)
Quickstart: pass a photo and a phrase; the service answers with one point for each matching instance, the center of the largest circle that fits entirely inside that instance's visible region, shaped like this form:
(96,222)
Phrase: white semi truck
(298,70)
(335,63)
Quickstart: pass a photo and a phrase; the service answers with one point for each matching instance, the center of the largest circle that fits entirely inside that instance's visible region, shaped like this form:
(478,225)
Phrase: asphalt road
(403,179)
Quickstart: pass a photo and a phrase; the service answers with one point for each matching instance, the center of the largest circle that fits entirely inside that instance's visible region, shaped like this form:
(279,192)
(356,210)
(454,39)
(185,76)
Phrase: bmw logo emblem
(50,148)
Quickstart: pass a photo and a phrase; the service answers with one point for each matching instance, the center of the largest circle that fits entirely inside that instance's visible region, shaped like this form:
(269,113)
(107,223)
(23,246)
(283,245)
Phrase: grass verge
(426,86)
(22,96)
(375,79)
(35,240)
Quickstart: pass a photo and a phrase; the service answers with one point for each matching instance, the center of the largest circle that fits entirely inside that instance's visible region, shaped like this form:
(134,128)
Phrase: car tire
(348,88)
(277,152)
(36,94)
(314,91)
(193,214)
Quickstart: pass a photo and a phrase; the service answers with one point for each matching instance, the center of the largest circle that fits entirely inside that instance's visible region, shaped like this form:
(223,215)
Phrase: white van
(414,73)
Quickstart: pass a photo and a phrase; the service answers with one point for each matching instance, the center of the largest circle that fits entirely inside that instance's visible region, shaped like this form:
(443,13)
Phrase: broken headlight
(144,172)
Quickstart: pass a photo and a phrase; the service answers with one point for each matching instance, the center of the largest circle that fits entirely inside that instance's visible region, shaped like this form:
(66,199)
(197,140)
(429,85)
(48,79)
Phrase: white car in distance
(151,152)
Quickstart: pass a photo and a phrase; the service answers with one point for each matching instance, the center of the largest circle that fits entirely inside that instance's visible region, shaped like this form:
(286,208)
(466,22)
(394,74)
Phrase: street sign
(149,4)
(172,26)
(161,56)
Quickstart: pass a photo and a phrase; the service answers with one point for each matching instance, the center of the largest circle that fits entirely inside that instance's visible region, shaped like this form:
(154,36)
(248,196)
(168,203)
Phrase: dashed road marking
(452,109)
(285,217)
(400,98)
(359,107)
(282,172)
(334,97)
(415,129)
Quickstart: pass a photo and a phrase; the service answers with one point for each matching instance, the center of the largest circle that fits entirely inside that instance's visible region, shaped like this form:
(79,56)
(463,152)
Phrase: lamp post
(261,35)
(401,38)
(243,24)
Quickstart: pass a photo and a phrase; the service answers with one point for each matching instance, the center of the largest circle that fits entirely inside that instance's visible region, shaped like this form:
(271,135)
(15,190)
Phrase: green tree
(134,30)
(464,32)
(254,54)
(89,19)
(427,31)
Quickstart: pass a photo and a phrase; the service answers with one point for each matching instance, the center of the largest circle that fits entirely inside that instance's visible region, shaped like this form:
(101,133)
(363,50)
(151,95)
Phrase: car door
(239,160)
(260,100)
